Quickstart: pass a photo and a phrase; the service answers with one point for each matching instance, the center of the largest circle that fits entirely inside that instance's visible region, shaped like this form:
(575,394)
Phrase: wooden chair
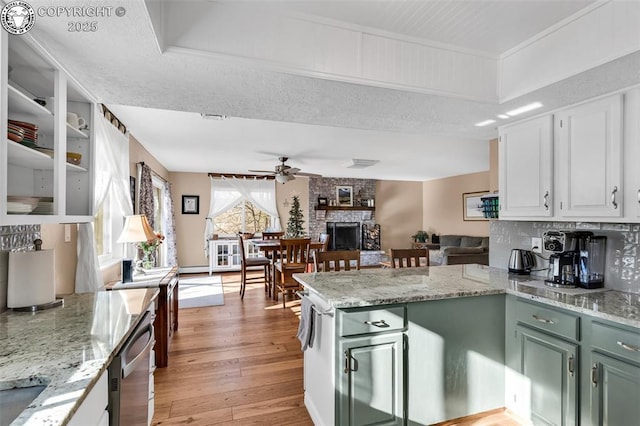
(404,257)
(338,260)
(294,256)
(272,235)
(249,262)
(324,239)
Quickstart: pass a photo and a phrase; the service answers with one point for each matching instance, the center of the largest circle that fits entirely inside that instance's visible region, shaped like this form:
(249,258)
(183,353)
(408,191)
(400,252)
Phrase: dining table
(271,249)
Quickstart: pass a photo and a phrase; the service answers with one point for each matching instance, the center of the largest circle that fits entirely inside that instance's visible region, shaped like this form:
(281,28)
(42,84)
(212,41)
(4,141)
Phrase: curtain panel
(111,177)
(170,227)
(146,205)
(227,192)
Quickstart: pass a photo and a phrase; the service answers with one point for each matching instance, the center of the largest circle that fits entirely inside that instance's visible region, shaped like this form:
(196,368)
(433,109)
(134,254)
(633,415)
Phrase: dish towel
(306,327)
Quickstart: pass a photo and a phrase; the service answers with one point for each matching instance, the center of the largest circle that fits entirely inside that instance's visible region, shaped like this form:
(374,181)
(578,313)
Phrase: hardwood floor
(241,364)
(237,364)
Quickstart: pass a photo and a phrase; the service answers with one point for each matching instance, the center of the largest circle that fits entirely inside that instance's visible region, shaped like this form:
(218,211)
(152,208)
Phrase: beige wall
(285,193)
(398,211)
(138,153)
(65,254)
(442,204)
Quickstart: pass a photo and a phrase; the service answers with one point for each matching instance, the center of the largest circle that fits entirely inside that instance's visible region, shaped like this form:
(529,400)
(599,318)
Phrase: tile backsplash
(13,238)
(622,252)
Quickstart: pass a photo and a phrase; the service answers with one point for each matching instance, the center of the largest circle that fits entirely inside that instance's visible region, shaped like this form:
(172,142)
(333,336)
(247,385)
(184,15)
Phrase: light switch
(67,233)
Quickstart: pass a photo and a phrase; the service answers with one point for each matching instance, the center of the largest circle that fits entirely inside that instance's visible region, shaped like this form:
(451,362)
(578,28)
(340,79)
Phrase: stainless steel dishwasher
(129,378)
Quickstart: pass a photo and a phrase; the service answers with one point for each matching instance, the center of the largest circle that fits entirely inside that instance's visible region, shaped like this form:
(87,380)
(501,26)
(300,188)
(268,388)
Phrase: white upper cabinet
(526,166)
(589,166)
(40,182)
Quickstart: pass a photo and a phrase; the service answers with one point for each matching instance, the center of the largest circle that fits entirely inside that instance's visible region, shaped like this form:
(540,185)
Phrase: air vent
(213,116)
(358,163)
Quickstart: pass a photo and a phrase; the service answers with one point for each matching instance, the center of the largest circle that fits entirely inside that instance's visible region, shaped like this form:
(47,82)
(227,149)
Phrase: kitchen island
(67,349)
(446,334)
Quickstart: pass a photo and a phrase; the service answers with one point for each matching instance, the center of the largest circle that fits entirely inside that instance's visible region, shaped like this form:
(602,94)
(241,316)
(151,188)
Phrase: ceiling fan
(285,173)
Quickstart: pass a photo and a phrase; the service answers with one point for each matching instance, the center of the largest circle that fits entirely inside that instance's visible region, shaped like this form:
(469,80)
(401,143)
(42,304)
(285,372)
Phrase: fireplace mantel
(352,208)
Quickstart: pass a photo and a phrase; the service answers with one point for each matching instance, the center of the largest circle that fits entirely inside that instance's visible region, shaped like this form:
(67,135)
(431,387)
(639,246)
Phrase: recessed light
(503,116)
(523,109)
(485,123)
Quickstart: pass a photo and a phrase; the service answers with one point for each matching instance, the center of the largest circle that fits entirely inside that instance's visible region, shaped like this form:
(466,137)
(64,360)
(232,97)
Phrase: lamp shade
(136,229)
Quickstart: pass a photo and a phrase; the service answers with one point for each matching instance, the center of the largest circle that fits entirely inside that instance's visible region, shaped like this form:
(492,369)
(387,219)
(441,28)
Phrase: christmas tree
(296,220)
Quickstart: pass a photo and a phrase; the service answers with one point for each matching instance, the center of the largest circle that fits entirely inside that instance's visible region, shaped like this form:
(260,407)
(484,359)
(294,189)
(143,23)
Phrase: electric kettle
(521,261)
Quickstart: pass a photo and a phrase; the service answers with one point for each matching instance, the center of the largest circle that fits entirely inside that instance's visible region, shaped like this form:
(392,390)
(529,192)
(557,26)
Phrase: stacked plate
(45,206)
(21,205)
(15,133)
(30,130)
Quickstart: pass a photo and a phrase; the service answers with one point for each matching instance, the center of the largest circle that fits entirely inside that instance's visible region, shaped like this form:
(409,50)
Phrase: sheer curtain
(111,177)
(170,226)
(227,192)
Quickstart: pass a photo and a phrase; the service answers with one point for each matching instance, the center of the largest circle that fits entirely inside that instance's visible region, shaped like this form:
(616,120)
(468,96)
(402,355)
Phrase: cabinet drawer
(372,320)
(618,341)
(557,322)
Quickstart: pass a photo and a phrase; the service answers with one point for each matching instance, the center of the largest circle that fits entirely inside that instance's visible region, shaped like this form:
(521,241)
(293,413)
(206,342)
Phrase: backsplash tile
(14,238)
(622,253)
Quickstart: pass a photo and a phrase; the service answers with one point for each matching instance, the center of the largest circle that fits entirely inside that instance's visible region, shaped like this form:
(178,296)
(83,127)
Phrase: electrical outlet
(536,244)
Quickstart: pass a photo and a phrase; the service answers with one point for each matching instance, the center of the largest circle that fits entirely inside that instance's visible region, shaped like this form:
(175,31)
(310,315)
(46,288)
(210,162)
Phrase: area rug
(200,291)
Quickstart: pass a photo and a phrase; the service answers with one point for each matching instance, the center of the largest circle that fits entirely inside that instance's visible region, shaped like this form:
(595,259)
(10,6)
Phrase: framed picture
(132,190)
(344,195)
(322,201)
(190,204)
(472,205)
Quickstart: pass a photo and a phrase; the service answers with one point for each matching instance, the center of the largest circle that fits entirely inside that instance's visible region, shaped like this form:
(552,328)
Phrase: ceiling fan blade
(308,174)
(293,170)
(263,171)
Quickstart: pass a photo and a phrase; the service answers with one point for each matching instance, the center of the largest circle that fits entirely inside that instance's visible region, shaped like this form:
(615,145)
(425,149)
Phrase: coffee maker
(577,259)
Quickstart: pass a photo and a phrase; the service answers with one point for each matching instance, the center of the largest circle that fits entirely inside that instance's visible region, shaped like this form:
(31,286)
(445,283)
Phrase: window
(106,228)
(243,217)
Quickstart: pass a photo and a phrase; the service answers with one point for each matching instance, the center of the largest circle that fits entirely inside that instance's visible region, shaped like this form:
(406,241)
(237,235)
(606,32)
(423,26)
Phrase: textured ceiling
(319,123)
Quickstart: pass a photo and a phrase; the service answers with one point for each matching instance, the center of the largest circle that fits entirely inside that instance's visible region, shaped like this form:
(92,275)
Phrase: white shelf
(72,132)
(20,155)
(21,105)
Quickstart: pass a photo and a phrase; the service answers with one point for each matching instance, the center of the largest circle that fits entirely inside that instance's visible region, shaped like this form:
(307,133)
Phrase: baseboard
(313,411)
(193,269)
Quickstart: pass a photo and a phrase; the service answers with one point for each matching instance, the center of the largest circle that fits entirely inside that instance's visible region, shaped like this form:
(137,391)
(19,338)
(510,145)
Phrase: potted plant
(420,237)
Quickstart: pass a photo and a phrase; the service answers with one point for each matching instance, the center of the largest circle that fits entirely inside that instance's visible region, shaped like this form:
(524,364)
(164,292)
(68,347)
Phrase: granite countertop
(371,287)
(66,348)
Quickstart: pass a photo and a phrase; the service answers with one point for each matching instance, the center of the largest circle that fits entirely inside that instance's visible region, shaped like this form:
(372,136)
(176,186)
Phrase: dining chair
(409,257)
(246,263)
(272,235)
(294,256)
(337,260)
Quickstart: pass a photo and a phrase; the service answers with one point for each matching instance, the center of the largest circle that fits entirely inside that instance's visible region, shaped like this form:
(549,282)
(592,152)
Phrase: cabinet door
(526,165)
(549,371)
(371,386)
(615,391)
(222,255)
(590,159)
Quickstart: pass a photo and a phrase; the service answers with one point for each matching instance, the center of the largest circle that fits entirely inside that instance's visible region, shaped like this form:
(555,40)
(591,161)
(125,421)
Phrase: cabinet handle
(613,197)
(594,375)
(347,364)
(570,366)
(541,319)
(628,347)
(379,324)
(546,200)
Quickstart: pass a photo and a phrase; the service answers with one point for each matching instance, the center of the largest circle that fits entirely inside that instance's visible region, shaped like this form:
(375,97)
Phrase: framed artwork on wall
(472,205)
(344,196)
(190,204)
(322,201)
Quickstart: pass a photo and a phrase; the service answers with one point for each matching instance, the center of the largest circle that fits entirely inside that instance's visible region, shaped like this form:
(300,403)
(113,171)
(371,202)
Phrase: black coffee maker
(577,259)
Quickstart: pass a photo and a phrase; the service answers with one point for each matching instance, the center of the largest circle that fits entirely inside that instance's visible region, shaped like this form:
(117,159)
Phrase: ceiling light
(485,123)
(213,116)
(503,116)
(284,178)
(523,109)
(358,163)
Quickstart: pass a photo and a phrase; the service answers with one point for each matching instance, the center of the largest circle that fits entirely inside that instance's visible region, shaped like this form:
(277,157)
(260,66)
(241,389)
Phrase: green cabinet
(615,391)
(371,384)
(549,369)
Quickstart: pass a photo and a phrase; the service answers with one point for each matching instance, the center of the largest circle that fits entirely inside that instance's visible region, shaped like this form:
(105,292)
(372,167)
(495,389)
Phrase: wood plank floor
(241,364)
(237,364)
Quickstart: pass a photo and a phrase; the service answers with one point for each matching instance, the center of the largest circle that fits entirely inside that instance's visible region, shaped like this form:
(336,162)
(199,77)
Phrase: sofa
(460,249)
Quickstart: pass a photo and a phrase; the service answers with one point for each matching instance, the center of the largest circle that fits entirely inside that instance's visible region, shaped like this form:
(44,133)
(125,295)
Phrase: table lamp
(136,230)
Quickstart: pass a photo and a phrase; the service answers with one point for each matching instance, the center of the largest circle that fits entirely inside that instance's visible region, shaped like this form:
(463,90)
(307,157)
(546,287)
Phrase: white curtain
(111,177)
(227,192)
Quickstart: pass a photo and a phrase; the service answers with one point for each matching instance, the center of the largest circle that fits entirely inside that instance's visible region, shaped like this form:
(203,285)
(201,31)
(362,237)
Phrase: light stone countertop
(66,348)
(372,287)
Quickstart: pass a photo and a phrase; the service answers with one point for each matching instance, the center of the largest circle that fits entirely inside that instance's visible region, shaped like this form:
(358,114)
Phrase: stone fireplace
(344,235)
